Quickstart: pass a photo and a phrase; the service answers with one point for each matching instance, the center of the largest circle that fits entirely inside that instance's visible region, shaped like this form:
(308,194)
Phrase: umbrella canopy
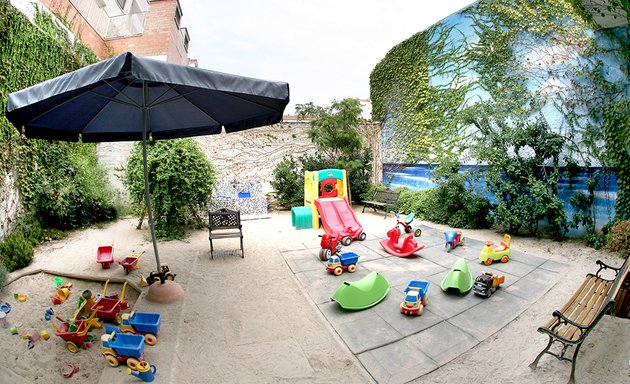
(128,98)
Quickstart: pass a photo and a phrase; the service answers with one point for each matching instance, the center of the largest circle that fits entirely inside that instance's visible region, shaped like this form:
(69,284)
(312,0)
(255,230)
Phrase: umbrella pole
(147,193)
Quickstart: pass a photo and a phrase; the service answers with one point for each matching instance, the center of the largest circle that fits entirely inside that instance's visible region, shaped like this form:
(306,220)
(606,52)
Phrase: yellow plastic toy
(501,252)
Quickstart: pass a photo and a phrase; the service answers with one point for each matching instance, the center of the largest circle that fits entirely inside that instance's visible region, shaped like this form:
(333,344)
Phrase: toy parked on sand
(406,224)
(405,248)
(145,372)
(130,262)
(330,245)
(453,239)
(337,263)
(105,255)
(107,307)
(416,298)
(487,283)
(122,347)
(143,323)
(502,252)
(75,332)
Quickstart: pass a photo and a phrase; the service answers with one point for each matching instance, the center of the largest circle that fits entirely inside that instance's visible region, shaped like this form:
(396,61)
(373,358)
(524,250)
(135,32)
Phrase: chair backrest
(224,218)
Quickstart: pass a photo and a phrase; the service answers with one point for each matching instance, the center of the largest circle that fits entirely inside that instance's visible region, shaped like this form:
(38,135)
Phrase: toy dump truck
(487,283)
(415,298)
(337,263)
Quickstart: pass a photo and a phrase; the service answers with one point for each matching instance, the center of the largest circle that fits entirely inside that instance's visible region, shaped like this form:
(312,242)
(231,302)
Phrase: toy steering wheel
(488,243)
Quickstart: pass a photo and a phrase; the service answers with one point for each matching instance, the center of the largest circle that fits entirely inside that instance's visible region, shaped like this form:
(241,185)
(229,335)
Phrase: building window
(178,14)
(185,38)
(121,4)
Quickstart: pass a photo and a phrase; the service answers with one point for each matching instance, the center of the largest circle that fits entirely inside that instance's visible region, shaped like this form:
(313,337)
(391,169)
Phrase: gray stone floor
(395,348)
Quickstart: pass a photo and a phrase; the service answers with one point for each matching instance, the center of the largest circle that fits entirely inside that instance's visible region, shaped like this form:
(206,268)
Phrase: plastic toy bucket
(58,282)
(63,293)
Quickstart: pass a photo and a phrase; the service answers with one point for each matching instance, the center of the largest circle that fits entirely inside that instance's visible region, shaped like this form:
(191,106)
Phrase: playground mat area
(268,318)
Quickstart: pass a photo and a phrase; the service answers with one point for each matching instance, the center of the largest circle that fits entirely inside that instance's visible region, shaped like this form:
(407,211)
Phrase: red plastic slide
(338,218)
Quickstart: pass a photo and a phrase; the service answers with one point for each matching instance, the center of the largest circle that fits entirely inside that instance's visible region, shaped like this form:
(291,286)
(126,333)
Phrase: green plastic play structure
(458,277)
(362,294)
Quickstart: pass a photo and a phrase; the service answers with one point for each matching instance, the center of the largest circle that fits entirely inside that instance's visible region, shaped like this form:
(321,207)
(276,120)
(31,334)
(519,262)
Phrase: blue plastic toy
(416,298)
(453,239)
(337,263)
(143,323)
(121,347)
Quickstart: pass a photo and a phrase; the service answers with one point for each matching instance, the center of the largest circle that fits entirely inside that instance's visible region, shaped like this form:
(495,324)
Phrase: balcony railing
(125,25)
(110,27)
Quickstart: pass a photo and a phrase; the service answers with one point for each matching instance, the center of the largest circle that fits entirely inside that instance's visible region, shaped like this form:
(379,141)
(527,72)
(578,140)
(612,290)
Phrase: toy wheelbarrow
(131,262)
(105,255)
(107,307)
(75,332)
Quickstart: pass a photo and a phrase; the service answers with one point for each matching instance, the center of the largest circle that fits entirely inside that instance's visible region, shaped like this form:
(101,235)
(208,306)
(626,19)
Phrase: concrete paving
(395,348)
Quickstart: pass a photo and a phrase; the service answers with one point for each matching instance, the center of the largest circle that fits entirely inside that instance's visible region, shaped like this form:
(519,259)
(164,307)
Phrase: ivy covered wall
(500,65)
(59,184)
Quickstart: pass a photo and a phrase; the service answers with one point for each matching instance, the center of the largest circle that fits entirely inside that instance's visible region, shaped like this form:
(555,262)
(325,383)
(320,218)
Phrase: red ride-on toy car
(330,244)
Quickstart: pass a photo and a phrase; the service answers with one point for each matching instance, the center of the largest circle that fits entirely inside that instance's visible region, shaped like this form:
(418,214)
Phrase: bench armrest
(566,320)
(604,266)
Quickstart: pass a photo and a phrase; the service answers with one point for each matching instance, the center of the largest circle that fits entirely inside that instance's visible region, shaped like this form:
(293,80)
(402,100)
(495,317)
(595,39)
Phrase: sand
(248,321)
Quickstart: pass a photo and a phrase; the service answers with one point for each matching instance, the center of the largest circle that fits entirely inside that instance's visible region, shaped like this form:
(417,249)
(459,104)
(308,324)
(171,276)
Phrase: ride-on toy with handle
(330,245)
(130,262)
(453,239)
(75,332)
(406,224)
(501,252)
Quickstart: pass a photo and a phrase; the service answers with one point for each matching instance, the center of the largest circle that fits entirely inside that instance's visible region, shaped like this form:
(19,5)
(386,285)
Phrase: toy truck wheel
(72,347)
(324,254)
(448,247)
(117,319)
(338,271)
(132,363)
(489,261)
(462,241)
(505,259)
(352,268)
(170,277)
(112,360)
(150,339)
(425,301)
(362,236)
(420,310)
(346,241)
(417,232)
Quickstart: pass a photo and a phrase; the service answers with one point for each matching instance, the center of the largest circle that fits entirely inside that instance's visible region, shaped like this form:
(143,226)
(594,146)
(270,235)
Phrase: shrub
(619,238)
(180,182)
(3,275)
(288,184)
(16,250)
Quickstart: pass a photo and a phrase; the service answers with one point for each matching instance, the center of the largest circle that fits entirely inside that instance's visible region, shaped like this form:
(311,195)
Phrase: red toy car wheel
(505,259)
(489,261)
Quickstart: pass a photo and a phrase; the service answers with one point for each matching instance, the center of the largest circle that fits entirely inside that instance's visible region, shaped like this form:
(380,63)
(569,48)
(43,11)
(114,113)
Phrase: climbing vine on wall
(61,184)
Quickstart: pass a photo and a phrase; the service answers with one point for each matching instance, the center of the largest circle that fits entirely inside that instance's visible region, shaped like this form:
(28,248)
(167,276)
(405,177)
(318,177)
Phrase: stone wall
(251,155)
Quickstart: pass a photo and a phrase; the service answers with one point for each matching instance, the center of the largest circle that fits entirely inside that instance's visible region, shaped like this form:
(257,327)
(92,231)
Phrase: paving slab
(535,284)
(443,342)
(398,362)
(303,260)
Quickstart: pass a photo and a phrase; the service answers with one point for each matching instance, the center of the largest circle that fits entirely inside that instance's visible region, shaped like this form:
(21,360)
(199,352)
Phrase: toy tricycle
(143,323)
(75,332)
(163,275)
(406,224)
(487,283)
(416,298)
(105,255)
(337,263)
(502,252)
(130,262)
(330,245)
(107,307)
(122,347)
(453,239)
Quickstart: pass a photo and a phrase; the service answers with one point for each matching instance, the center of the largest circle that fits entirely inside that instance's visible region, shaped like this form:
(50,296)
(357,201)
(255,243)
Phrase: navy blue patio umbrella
(128,98)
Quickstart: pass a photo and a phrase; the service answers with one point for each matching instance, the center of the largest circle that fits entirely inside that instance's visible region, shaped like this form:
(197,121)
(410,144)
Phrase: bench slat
(587,310)
(572,302)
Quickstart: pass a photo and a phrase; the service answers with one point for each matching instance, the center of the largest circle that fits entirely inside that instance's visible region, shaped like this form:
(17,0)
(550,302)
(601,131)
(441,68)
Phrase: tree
(180,181)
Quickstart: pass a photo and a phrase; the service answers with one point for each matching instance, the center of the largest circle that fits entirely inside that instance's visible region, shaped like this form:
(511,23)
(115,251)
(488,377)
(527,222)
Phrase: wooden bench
(384,199)
(222,224)
(592,300)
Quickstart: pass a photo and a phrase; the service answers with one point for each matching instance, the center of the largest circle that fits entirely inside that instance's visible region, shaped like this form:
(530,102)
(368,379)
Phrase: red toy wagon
(105,255)
(107,307)
(75,332)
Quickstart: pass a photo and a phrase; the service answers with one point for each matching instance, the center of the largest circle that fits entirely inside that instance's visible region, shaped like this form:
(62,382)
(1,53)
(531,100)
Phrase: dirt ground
(248,321)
